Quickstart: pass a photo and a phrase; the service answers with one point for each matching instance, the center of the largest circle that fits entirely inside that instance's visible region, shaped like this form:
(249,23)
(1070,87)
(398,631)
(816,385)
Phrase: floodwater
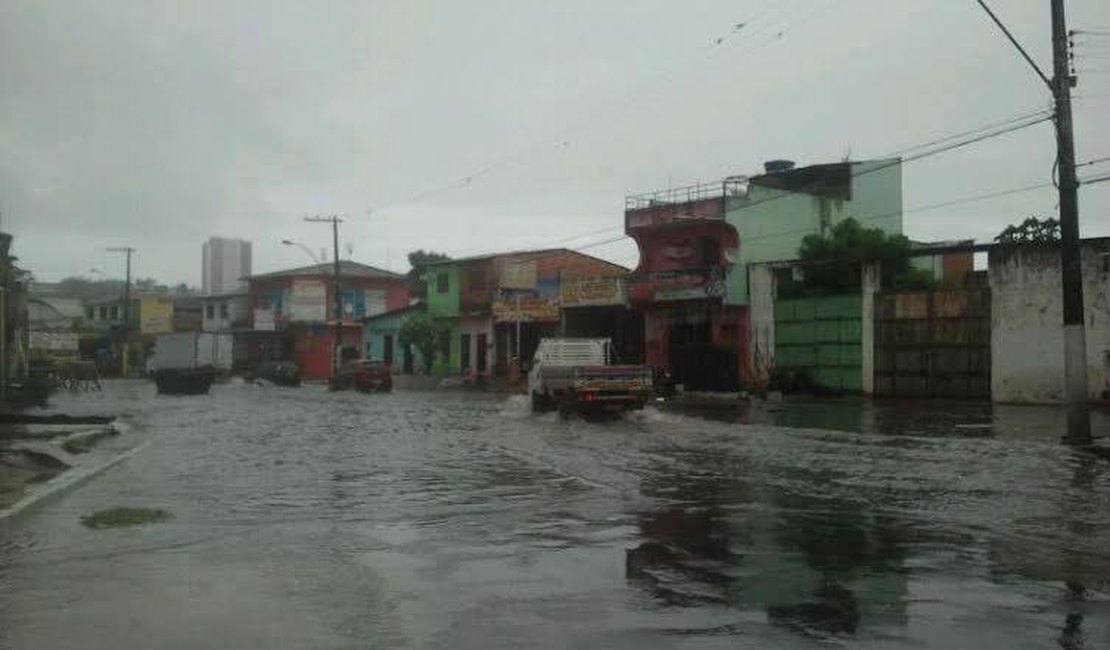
(303,519)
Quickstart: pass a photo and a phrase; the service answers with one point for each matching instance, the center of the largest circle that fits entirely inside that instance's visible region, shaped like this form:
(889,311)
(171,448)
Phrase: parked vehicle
(364,375)
(578,376)
(186,363)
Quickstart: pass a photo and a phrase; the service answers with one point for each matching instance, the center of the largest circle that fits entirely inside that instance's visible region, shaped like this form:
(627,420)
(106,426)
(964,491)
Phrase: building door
(406,360)
(685,342)
(482,354)
(464,353)
(387,345)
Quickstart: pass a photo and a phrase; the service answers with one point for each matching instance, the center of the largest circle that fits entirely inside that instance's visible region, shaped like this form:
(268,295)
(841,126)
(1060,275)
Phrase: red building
(293,311)
(679,285)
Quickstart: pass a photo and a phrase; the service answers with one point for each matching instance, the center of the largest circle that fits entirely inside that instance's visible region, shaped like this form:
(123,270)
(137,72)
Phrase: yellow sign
(531,310)
(585,292)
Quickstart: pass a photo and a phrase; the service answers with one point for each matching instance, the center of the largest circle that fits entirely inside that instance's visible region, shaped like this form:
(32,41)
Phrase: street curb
(68,480)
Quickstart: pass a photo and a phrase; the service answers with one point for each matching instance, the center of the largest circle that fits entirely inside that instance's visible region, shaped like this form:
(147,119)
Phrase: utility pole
(1075,334)
(338,307)
(126,306)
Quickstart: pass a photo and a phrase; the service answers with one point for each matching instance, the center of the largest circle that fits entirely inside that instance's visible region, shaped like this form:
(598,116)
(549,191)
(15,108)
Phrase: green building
(774,211)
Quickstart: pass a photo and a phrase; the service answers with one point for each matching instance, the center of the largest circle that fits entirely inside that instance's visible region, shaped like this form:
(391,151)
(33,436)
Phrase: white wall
(761,321)
(238,308)
(1027,340)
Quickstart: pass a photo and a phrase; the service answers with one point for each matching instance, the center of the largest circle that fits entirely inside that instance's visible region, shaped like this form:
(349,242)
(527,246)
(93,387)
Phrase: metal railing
(731,186)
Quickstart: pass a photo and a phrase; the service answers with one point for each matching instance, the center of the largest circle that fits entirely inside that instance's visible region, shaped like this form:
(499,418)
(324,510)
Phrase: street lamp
(306,249)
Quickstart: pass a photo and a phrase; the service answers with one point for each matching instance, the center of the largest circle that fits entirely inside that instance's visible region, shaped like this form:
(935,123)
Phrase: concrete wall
(761,323)
(1027,341)
(772,222)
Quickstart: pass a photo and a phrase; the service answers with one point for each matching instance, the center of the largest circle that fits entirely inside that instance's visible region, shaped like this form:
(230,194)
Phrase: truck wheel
(540,403)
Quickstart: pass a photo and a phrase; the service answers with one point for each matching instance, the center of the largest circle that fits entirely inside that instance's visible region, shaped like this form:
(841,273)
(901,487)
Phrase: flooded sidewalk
(307,519)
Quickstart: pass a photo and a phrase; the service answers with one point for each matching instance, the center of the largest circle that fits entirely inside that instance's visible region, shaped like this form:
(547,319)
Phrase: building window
(209,311)
(103,313)
(115,312)
(89,311)
(223,310)
(442,283)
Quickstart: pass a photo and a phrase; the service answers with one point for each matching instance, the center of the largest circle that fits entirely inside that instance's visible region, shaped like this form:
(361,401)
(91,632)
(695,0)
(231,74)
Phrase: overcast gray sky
(158,124)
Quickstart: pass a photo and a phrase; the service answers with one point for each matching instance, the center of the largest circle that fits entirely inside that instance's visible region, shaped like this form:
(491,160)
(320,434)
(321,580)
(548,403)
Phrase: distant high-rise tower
(226,263)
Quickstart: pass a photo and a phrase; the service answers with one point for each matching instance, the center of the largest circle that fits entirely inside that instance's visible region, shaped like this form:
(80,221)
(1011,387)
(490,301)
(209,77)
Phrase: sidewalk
(69,458)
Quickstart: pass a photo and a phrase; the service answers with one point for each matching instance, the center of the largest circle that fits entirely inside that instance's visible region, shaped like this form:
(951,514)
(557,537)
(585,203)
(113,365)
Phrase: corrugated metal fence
(933,344)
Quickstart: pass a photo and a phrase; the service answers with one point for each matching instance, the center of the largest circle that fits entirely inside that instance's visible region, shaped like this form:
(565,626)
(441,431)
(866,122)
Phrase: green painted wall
(772,223)
(443,305)
(449,367)
(823,338)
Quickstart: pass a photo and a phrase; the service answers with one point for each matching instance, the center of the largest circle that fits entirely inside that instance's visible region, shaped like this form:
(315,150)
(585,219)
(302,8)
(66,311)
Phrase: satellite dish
(732,255)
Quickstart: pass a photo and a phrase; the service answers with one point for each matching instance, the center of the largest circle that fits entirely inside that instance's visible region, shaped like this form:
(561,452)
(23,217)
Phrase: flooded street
(303,519)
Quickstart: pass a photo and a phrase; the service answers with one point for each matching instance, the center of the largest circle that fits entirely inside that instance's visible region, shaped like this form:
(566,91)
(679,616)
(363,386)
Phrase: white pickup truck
(578,376)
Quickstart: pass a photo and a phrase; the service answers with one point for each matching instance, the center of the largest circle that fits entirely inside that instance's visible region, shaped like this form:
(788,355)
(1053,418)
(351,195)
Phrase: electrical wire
(876,217)
(562,138)
(989,130)
(1094,180)
(1093,162)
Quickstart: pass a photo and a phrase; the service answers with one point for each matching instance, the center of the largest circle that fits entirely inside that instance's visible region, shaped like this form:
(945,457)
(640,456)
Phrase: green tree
(419,260)
(1031,232)
(425,334)
(833,262)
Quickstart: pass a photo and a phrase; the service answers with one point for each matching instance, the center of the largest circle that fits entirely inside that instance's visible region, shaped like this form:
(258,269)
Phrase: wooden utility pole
(1075,335)
(126,307)
(338,307)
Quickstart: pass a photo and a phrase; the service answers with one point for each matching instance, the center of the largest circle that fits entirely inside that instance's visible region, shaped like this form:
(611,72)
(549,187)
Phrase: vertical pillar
(869,286)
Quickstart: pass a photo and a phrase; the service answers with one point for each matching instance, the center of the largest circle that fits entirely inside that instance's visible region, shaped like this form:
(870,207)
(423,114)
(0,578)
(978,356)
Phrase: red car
(364,375)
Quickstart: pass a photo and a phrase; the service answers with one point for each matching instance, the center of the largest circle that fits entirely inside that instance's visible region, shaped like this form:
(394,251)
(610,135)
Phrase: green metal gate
(821,337)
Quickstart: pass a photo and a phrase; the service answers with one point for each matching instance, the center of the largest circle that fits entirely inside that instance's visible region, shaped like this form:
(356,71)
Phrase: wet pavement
(303,519)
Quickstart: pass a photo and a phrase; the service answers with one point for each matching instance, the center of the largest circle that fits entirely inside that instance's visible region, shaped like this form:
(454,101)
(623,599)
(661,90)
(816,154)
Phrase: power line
(561,139)
(1094,180)
(990,130)
(1093,162)
(1044,112)
(876,217)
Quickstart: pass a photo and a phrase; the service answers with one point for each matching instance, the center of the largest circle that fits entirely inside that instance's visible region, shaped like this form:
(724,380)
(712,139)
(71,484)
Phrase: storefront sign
(586,292)
(530,310)
(53,341)
(308,301)
(678,285)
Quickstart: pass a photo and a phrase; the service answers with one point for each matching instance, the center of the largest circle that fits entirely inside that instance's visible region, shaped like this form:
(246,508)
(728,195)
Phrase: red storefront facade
(679,286)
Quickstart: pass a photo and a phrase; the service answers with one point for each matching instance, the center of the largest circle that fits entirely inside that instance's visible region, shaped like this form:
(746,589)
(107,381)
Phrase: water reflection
(815,565)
